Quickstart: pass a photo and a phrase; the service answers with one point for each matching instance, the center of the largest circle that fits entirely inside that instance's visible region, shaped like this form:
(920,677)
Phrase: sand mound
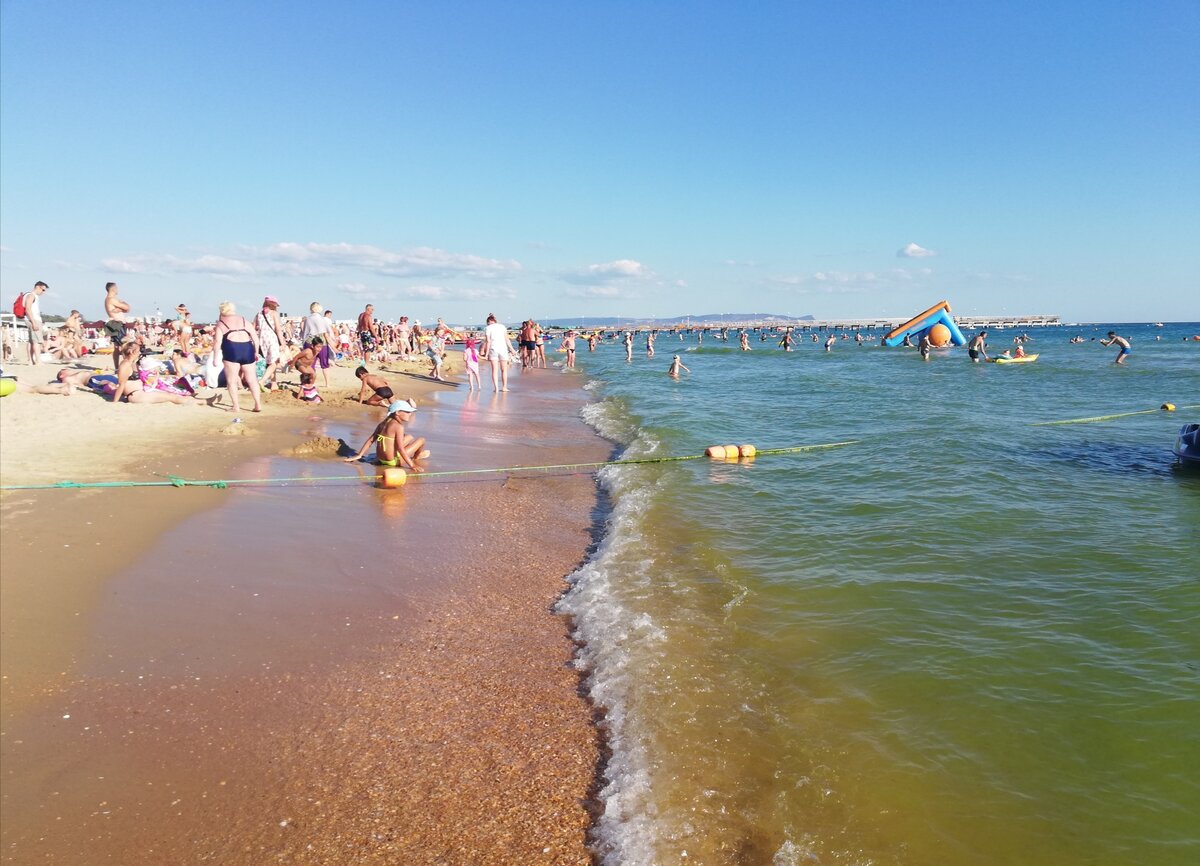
(319,446)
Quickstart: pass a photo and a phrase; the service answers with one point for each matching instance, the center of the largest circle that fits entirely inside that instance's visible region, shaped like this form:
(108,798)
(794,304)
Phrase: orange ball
(393,476)
(939,335)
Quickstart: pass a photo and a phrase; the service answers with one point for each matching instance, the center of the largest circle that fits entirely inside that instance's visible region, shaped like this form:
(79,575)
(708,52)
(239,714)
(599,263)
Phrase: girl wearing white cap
(393,447)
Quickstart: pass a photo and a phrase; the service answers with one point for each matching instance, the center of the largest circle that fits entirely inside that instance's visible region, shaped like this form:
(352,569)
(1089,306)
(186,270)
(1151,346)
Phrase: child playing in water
(676,366)
(568,343)
(471,362)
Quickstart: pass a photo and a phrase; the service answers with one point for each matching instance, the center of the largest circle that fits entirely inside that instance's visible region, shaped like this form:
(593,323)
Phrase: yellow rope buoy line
(1165,407)
(176,481)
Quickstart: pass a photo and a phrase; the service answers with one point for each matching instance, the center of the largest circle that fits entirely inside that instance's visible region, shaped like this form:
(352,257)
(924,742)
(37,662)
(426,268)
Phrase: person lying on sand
(383,391)
(393,447)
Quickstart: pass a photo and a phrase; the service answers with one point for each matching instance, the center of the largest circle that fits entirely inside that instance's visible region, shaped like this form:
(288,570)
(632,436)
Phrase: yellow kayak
(1024,359)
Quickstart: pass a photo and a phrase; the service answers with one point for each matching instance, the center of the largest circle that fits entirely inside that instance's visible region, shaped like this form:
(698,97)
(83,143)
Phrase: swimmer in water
(1120,341)
(975,349)
(829,343)
(924,347)
(676,366)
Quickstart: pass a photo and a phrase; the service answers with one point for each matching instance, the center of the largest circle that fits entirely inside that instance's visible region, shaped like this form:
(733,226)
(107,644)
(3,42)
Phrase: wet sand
(332,673)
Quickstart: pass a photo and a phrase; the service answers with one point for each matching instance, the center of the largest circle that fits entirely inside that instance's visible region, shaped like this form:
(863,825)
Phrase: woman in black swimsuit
(234,342)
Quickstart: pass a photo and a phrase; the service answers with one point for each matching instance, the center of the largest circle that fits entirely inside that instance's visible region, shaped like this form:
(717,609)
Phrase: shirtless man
(117,311)
(676,366)
(368,331)
(628,346)
(527,345)
(1120,341)
(383,391)
(393,447)
(975,348)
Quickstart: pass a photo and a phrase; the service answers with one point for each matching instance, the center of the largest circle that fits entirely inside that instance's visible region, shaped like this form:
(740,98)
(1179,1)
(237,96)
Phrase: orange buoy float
(392,477)
(729,452)
(939,335)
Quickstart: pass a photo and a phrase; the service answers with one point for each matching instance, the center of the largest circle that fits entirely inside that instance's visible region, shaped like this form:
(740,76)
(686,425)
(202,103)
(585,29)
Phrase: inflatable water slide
(936,322)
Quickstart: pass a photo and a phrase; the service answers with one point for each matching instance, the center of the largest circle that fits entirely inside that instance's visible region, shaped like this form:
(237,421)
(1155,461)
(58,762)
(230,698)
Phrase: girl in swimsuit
(471,360)
(234,344)
(388,434)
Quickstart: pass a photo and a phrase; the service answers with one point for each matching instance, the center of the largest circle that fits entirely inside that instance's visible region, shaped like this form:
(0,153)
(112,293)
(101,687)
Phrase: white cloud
(617,271)
(851,281)
(914,251)
(601,292)
(426,293)
(289,259)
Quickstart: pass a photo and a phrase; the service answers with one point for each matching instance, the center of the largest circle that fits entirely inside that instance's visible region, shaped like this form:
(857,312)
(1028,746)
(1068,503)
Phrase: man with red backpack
(26,307)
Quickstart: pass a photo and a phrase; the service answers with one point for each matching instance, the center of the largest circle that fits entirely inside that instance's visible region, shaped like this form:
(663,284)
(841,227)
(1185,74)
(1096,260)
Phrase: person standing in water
(568,343)
(649,344)
(1126,348)
(628,346)
(976,348)
(676,366)
(496,349)
(829,342)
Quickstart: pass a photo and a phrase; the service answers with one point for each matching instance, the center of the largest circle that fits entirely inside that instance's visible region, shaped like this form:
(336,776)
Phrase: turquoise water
(964,639)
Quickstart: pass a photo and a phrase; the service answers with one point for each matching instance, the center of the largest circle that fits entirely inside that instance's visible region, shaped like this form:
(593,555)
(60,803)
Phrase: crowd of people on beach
(178,360)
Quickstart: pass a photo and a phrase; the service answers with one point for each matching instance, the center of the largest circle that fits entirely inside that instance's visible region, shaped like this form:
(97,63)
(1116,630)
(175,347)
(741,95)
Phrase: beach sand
(324,673)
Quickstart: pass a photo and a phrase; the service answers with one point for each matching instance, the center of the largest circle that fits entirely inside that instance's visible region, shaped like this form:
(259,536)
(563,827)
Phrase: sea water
(963,639)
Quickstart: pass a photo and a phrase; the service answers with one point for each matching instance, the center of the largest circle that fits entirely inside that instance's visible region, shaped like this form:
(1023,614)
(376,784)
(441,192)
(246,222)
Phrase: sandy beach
(324,673)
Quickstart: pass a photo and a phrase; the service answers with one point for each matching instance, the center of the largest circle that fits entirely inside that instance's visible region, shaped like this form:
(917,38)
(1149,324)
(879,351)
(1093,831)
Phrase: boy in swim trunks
(383,392)
(393,447)
(1120,341)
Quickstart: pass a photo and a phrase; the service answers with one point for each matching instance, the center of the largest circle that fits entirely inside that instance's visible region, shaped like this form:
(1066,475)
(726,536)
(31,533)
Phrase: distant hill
(707,319)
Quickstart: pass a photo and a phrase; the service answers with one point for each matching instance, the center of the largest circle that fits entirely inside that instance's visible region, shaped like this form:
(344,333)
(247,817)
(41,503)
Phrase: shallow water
(964,639)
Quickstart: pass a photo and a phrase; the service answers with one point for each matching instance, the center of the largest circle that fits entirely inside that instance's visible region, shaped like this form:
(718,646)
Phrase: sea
(962,639)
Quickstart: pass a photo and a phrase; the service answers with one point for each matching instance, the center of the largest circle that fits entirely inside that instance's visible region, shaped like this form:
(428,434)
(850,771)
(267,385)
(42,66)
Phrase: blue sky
(635,159)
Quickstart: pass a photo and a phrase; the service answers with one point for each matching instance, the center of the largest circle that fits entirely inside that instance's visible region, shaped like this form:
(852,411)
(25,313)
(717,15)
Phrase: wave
(616,641)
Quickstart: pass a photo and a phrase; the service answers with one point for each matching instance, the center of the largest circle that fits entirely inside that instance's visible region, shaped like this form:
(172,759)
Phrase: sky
(561,159)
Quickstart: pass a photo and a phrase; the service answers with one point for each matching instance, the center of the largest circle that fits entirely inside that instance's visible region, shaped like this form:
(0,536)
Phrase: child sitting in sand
(393,447)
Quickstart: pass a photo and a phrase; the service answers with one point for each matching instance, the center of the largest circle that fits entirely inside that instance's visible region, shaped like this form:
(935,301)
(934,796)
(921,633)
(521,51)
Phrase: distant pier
(967,323)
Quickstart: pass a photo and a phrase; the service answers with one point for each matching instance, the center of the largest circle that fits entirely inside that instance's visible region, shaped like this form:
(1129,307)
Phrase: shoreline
(453,635)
